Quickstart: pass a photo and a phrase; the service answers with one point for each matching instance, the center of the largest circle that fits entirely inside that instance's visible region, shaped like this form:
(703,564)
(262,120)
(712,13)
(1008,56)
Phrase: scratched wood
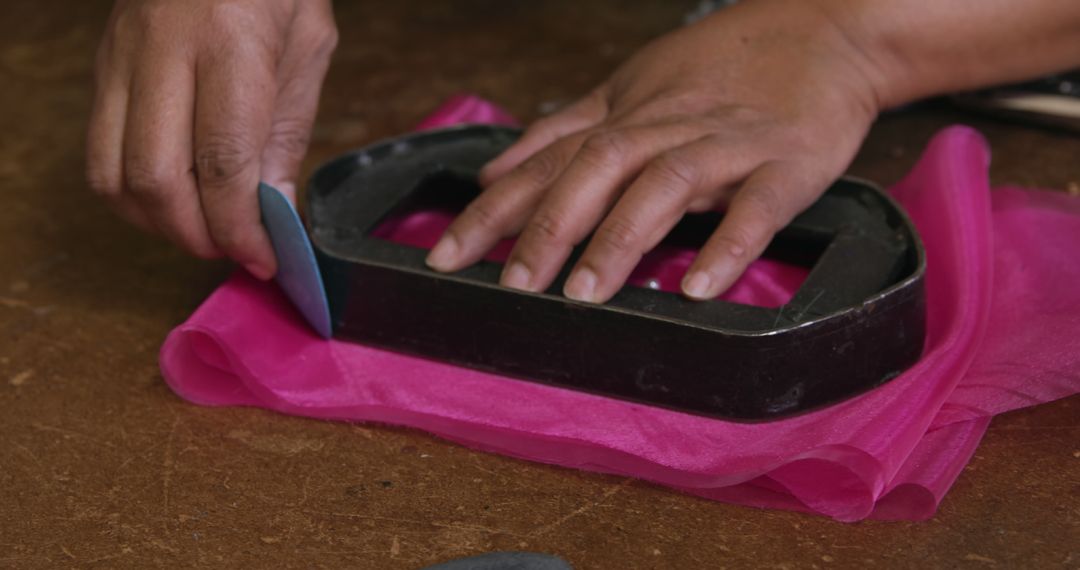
(102,466)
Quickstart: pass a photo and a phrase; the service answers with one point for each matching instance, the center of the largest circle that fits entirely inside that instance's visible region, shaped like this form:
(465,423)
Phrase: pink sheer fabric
(1004,316)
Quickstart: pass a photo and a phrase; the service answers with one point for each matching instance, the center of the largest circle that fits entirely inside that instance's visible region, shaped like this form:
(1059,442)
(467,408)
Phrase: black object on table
(857,321)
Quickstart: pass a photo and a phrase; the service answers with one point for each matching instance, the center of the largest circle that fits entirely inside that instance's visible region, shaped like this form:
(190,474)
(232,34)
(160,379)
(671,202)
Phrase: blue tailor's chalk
(298,273)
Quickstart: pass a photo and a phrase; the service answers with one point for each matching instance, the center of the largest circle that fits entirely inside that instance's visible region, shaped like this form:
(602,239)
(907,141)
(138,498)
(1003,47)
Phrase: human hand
(196,102)
(757,108)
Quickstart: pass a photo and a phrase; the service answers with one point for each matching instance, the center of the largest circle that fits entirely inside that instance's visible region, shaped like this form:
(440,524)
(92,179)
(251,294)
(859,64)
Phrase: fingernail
(444,254)
(581,286)
(258,271)
(517,276)
(697,285)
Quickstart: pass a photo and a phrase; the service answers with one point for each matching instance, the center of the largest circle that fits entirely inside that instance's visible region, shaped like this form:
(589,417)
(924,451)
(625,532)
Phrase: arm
(929,48)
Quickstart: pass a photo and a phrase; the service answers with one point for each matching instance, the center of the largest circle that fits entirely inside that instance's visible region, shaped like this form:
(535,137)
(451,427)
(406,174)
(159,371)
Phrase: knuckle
(222,158)
(329,42)
(673,170)
(319,38)
(764,203)
(146,180)
(291,137)
(231,16)
(102,183)
(605,149)
(135,20)
(618,235)
(328,37)
(484,215)
(153,21)
(549,226)
(151,16)
(541,167)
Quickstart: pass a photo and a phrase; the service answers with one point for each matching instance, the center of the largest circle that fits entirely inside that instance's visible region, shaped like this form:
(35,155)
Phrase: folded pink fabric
(1004,318)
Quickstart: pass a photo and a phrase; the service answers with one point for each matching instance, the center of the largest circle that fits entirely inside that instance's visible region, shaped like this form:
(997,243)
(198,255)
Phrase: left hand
(757,108)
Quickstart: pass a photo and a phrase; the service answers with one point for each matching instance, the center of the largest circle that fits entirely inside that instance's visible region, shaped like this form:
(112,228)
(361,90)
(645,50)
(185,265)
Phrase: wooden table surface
(102,466)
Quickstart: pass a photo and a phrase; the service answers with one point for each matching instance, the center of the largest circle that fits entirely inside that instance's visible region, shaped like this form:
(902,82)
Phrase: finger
(105,135)
(769,198)
(301,72)
(648,210)
(580,115)
(582,195)
(501,210)
(233,110)
(158,160)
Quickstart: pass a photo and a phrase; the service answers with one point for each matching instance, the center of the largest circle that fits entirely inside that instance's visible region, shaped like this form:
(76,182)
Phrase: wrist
(881,70)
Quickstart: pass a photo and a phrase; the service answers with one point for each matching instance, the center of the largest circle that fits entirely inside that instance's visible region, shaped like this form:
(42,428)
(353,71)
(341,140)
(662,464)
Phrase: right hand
(757,109)
(197,101)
